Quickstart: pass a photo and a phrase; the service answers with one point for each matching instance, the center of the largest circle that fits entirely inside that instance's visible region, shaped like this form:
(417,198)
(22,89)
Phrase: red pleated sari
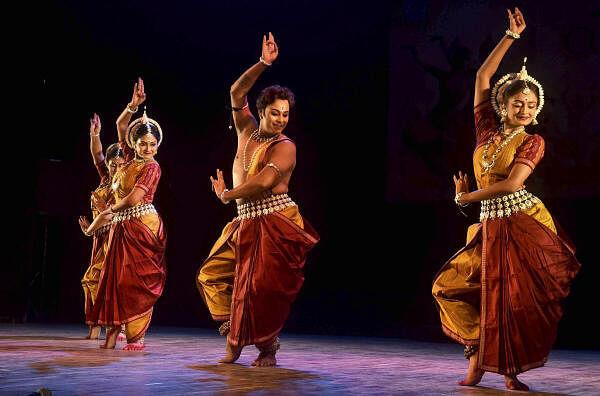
(134,272)
(503,291)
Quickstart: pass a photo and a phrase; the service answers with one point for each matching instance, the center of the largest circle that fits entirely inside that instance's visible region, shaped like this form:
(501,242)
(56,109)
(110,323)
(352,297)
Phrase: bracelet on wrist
(221,197)
(457,200)
(264,62)
(130,109)
(512,34)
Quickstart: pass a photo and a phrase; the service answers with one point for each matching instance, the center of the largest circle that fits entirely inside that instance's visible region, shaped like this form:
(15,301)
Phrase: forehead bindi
(523,98)
(147,138)
(280,105)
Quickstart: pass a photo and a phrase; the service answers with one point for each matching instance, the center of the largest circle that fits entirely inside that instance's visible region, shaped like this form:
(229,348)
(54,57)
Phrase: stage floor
(182,361)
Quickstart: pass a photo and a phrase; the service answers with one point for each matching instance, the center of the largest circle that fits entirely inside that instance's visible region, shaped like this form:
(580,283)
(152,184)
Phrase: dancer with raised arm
(255,269)
(134,272)
(500,295)
(101,198)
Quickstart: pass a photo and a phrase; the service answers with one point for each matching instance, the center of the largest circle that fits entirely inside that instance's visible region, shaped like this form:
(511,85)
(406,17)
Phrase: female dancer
(134,272)
(100,199)
(501,294)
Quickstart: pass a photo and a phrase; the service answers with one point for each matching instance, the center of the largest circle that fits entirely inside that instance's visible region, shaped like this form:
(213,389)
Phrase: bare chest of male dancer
(243,157)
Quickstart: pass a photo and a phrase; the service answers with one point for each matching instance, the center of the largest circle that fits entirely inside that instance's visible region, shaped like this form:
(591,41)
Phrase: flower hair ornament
(507,79)
(143,122)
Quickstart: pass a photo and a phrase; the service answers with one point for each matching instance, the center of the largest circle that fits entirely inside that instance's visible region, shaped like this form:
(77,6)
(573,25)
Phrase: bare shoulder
(284,145)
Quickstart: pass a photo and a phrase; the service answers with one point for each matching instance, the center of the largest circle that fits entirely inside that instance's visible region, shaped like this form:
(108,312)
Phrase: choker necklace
(260,137)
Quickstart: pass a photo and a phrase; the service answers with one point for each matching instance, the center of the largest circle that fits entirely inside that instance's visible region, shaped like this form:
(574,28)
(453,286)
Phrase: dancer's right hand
(104,218)
(516,21)
(218,184)
(461,183)
(84,223)
(139,94)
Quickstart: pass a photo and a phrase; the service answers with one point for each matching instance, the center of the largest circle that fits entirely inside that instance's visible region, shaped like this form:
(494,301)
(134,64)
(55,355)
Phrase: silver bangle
(221,197)
(264,62)
(512,34)
(457,200)
(130,110)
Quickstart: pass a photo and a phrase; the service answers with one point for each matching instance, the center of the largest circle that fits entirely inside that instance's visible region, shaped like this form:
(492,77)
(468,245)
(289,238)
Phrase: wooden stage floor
(182,361)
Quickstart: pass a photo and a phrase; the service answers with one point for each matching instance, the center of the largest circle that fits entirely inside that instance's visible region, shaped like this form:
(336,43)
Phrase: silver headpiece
(143,122)
(507,79)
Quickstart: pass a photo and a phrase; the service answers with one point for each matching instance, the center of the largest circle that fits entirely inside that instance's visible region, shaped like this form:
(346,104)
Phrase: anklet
(470,350)
(224,328)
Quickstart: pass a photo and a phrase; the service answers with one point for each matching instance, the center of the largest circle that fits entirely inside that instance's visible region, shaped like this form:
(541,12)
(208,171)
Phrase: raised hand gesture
(95,125)
(516,21)
(269,49)
(461,183)
(139,95)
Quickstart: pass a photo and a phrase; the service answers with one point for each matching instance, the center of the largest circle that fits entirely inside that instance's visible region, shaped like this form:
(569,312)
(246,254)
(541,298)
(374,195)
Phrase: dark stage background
(383,118)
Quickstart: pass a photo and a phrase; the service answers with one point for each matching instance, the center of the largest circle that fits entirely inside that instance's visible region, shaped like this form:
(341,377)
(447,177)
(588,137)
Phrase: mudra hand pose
(255,269)
(501,294)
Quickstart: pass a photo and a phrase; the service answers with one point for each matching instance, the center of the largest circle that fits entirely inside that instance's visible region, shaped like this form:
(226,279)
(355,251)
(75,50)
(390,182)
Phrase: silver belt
(507,205)
(133,212)
(274,203)
(102,230)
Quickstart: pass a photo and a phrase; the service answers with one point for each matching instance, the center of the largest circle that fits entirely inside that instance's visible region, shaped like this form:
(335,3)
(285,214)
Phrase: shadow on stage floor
(183,362)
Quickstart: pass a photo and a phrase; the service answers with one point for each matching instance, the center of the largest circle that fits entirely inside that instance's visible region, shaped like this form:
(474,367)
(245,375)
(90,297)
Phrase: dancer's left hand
(461,182)
(218,184)
(95,125)
(270,50)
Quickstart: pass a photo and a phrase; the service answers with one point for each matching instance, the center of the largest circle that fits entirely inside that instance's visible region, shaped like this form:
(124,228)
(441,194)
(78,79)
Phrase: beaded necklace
(257,137)
(485,163)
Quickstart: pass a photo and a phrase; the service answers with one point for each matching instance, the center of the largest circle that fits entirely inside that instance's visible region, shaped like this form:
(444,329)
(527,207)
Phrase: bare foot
(265,359)
(472,378)
(93,333)
(134,346)
(513,383)
(232,353)
(474,374)
(111,338)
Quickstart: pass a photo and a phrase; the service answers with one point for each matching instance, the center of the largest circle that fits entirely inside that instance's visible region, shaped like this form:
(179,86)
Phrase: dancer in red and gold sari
(255,269)
(101,198)
(134,270)
(501,294)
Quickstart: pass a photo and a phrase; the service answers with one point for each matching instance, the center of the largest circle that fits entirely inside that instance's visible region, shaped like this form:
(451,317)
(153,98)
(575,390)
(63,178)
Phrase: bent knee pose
(255,269)
(134,272)
(501,294)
